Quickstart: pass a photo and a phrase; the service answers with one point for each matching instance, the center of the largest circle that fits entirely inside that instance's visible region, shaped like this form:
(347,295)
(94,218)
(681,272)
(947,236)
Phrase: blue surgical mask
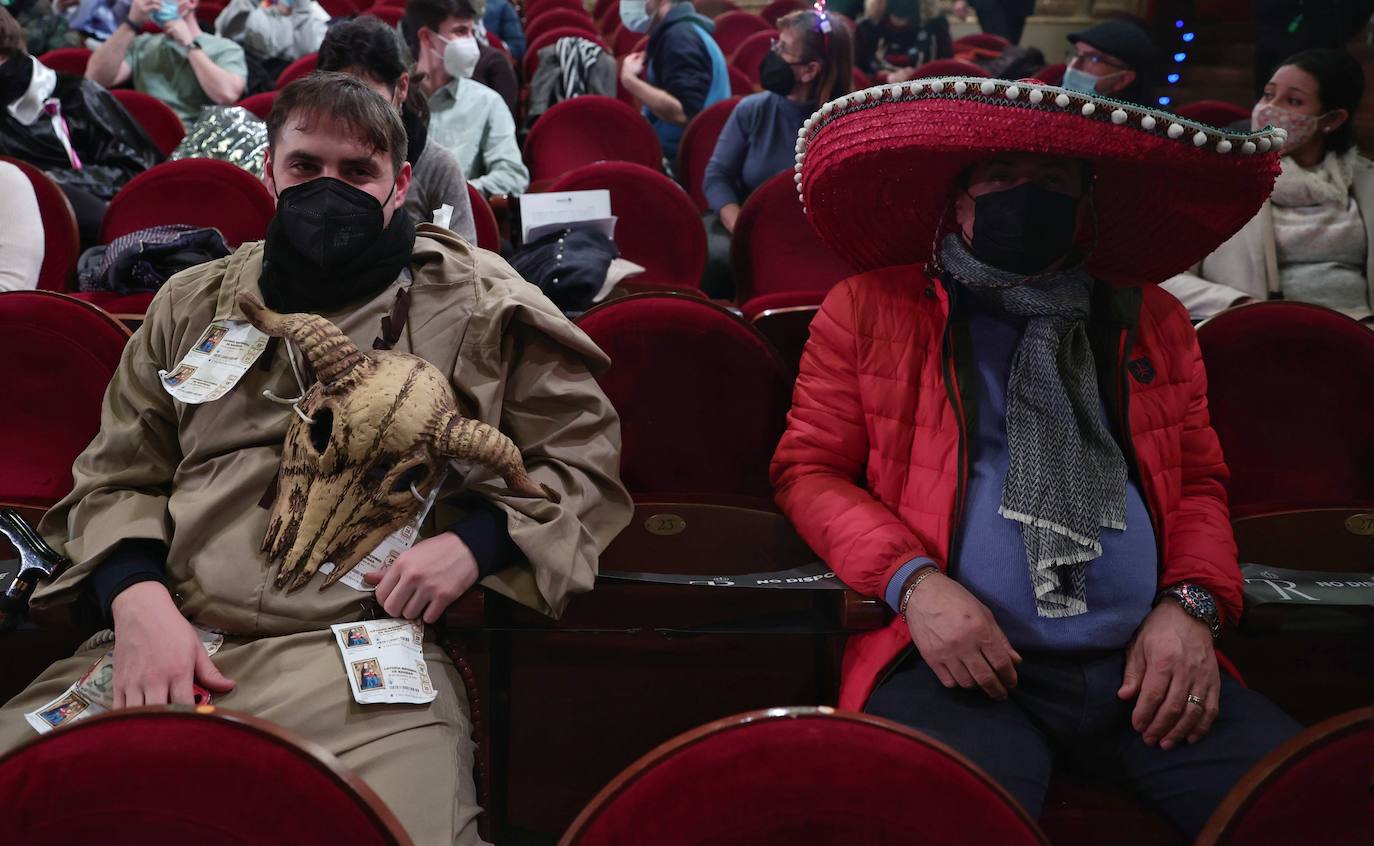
(633,16)
(166,13)
(1080,81)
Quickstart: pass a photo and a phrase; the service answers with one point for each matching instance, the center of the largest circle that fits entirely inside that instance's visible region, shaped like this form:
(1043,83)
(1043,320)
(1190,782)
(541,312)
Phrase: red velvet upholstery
(733,27)
(1052,74)
(70,60)
(59,354)
(1289,390)
(1214,113)
(204,777)
(119,305)
(948,67)
(982,41)
(207,11)
(697,144)
(1317,788)
(494,40)
(659,226)
(534,8)
(155,116)
(341,8)
(600,7)
(702,396)
(748,56)
(260,104)
(810,776)
(778,8)
(861,81)
(740,83)
(551,36)
(554,17)
(775,249)
(785,320)
(756,306)
(390,14)
(61,240)
(625,42)
(608,21)
(304,66)
(589,129)
(484,221)
(201,192)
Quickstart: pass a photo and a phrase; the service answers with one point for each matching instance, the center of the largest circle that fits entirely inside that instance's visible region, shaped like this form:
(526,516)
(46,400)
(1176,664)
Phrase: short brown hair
(346,99)
(12,43)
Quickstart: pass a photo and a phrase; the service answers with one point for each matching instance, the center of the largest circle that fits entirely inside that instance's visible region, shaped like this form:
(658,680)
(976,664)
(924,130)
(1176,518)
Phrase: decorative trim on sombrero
(1037,96)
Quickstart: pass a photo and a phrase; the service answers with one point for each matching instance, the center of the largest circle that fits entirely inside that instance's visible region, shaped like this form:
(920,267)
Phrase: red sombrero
(874,170)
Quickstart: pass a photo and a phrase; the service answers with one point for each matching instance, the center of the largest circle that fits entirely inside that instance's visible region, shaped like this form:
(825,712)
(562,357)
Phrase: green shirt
(161,68)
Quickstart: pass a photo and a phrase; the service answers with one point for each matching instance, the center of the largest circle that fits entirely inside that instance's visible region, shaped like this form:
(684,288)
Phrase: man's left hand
(632,68)
(425,579)
(1171,658)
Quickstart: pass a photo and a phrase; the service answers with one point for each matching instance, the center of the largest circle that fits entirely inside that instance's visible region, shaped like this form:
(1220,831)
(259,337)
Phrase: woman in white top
(1312,240)
(21,231)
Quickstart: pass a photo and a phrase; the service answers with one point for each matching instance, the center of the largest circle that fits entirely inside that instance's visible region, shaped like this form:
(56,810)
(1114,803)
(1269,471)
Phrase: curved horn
(330,352)
(464,439)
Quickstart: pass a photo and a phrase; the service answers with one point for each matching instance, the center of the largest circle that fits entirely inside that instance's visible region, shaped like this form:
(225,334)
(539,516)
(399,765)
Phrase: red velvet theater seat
(1318,788)
(781,8)
(304,66)
(484,221)
(155,116)
(658,228)
(589,129)
(207,777)
(702,396)
(201,192)
(775,250)
(1291,400)
(948,67)
(697,144)
(1214,112)
(59,354)
(71,60)
(61,239)
(550,37)
(748,56)
(733,27)
(554,18)
(813,776)
(260,104)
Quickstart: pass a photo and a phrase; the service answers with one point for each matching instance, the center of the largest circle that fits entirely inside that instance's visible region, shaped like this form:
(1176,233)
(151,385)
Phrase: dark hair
(431,15)
(13,45)
(1340,85)
(834,50)
(367,44)
(346,99)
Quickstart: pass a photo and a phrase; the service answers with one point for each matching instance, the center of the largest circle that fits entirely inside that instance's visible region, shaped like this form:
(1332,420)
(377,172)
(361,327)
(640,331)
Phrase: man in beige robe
(186,481)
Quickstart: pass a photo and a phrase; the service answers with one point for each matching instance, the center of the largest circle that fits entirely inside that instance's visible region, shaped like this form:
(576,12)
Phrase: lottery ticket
(215,362)
(384,661)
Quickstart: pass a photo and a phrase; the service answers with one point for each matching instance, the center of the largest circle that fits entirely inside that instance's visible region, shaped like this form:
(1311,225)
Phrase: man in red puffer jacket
(1001,429)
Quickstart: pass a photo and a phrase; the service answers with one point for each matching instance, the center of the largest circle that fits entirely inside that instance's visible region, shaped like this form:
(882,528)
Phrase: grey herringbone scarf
(1066,478)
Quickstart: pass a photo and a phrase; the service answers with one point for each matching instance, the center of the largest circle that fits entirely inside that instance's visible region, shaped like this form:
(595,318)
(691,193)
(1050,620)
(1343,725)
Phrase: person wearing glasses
(1114,59)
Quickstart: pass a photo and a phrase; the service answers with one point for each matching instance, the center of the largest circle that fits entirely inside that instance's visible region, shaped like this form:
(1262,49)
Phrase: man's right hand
(157,654)
(958,637)
(140,11)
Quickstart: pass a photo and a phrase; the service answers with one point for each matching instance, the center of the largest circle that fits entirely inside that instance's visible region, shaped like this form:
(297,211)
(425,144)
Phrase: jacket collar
(29,106)
(681,11)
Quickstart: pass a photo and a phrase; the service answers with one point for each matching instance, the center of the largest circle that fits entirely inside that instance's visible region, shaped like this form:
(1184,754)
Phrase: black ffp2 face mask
(1023,229)
(775,75)
(329,222)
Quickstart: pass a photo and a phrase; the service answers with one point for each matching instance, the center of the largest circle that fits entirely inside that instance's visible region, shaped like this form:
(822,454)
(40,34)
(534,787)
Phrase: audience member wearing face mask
(808,65)
(366,48)
(460,21)
(1311,241)
(1115,59)
(897,36)
(468,118)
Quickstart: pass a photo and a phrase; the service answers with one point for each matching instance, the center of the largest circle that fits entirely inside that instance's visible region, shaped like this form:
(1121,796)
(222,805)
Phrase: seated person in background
(1006,18)
(1116,59)
(45,28)
(1056,596)
(97,19)
(368,49)
(70,127)
(21,231)
(276,32)
(163,526)
(681,72)
(456,21)
(502,20)
(181,66)
(1314,240)
(897,36)
(468,118)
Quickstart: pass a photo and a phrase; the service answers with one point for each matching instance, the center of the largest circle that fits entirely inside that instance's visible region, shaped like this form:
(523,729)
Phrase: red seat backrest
(391,15)
(104,765)
(70,60)
(534,8)
(659,226)
(781,8)
(260,104)
(982,41)
(702,396)
(774,248)
(804,775)
(948,67)
(550,37)
(61,238)
(553,17)
(608,20)
(748,56)
(155,116)
(697,144)
(484,221)
(200,192)
(1216,113)
(589,129)
(304,66)
(740,83)
(341,8)
(1052,74)
(625,42)
(733,27)
(1288,391)
(59,355)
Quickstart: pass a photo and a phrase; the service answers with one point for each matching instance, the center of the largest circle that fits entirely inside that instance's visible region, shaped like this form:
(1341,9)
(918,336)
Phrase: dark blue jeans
(1064,711)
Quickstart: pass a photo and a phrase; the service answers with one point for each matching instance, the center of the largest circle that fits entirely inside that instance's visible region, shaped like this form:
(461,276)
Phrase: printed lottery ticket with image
(215,362)
(389,549)
(384,661)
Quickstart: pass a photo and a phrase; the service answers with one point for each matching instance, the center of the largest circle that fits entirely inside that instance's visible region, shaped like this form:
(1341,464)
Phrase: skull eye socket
(410,476)
(321,427)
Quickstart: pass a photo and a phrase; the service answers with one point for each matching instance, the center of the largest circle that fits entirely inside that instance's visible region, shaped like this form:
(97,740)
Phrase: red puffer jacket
(873,467)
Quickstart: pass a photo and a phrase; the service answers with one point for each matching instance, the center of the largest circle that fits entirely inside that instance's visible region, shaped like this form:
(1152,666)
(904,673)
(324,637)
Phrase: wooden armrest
(860,613)
(501,210)
(469,613)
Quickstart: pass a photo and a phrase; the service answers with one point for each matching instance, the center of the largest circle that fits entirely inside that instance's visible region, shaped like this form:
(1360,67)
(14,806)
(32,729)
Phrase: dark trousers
(1064,711)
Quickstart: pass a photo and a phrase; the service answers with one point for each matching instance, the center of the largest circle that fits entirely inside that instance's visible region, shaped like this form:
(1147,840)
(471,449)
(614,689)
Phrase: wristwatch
(194,45)
(1197,601)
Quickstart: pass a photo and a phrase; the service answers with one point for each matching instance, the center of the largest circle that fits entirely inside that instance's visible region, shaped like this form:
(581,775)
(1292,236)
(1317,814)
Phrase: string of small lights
(1185,37)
